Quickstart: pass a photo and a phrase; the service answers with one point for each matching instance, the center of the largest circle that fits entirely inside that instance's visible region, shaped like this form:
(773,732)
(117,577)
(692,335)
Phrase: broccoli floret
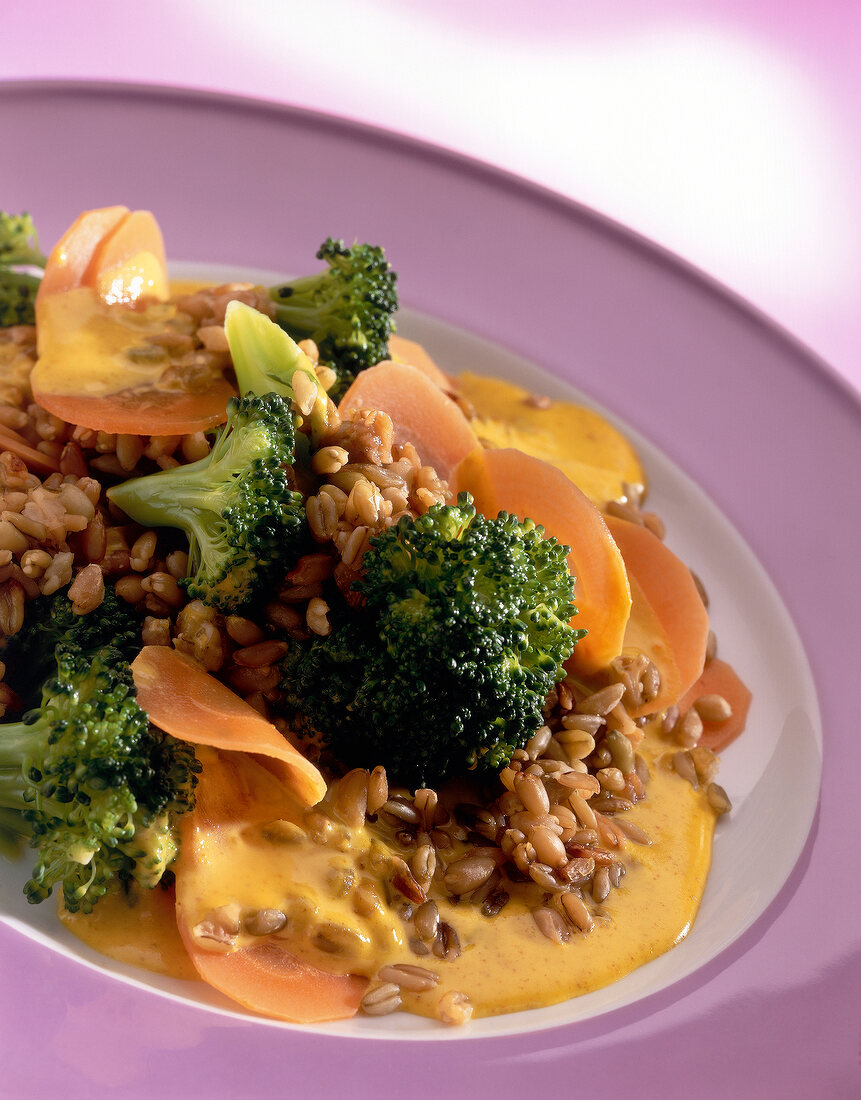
(346,309)
(93,785)
(464,631)
(243,520)
(19,241)
(19,247)
(52,621)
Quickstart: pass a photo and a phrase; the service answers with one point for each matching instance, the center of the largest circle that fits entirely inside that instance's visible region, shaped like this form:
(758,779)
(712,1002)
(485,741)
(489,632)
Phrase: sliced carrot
(408,351)
(669,587)
(116,251)
(193,706)
(511,481)
(646,634)
(104,263)
(11,441)
(143,412)
(71,258)
(268,979)
(130,263)
(589,450)
(234,791)
(421,413)
(719,678)
(474,475)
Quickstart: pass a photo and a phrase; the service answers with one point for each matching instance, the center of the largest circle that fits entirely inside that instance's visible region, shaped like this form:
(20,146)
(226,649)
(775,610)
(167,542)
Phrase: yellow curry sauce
(137,928)
(506,963)
(79,327)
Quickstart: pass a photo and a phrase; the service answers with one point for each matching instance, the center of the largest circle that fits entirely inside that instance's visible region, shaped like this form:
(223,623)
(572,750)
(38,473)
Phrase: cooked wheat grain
(576,911)
(415,979)
(551,925)
(713,708)
(380,1000)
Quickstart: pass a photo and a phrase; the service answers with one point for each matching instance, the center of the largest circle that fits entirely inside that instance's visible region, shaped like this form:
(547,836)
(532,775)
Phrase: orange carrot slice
(70,260)
(143,412)
(104,263)
(719,678)
(589,450)
(130,263)
(646,634)
(669,587)
(11,441)
(193,706)
(511,481)
(408,351)
(234,791)
(268,979)
(421,413)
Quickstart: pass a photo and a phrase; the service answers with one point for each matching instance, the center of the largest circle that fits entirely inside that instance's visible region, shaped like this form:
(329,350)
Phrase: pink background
(726,130)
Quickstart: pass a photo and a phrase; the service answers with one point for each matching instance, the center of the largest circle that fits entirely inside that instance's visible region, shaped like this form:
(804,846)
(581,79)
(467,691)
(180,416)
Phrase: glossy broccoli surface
(243,520)
(19,248)
(464,630)
(347,308)
(91,783)
(51,621)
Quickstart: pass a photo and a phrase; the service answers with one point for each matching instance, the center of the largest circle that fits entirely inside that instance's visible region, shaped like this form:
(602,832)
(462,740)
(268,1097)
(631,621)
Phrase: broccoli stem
(264,357)
(184,499)
(302,308)
(267,360)
(13,794)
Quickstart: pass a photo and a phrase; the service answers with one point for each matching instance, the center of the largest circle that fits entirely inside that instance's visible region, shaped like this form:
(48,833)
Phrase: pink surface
(777,1013)
(725,130)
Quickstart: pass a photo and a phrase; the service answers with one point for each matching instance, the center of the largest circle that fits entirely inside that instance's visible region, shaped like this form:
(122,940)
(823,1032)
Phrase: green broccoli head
(465,629)
(17,298)
(52,621)
(19,247)
(347,309)
(19,242)
(94,786)
(243,520)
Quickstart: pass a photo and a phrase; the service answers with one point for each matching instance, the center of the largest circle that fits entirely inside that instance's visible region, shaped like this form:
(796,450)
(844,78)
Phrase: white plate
(781,751)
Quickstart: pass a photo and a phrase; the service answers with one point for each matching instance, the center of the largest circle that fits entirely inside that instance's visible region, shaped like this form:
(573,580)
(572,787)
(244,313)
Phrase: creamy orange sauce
(78,327)
(137,928)
(333,884)
(597,457)
(506,964)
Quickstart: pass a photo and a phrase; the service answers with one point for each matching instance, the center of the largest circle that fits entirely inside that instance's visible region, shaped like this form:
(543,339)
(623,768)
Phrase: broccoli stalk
(19,248)
(267,360)
(92,784)
(243,521)
(465,629)
(346,309)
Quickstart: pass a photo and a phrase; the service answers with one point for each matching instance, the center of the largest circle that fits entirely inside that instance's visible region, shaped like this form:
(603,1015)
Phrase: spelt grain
(415,979)
(713,708)
(576,911)
(718,798)
(551,925)
(380,1000)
